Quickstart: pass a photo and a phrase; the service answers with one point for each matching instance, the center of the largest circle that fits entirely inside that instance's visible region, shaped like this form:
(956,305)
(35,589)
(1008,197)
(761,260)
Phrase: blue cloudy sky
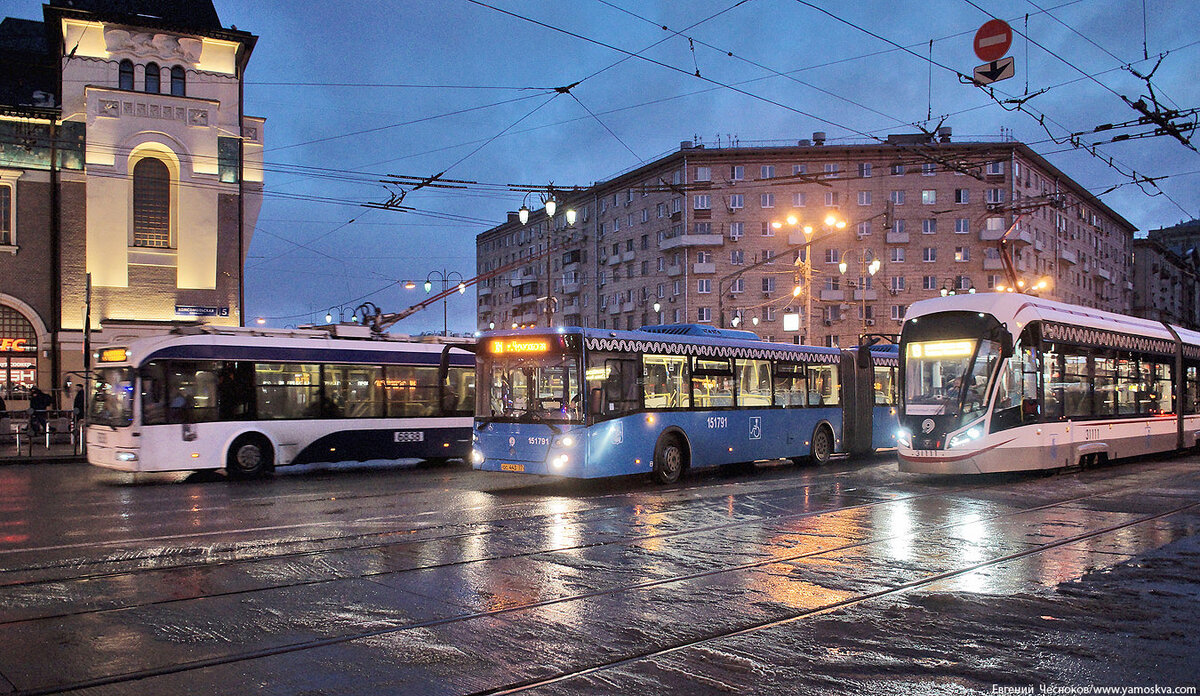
(356,90)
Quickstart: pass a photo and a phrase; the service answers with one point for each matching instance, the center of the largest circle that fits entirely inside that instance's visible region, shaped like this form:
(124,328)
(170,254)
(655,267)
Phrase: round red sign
(993,40)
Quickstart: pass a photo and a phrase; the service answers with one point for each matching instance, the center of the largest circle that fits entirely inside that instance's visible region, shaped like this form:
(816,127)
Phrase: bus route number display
(520,345)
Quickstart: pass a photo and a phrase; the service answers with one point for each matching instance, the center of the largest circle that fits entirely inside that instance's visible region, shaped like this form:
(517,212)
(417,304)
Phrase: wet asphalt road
(442,580)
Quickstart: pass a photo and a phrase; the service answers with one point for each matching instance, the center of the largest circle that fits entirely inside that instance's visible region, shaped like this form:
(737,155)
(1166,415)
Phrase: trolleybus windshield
(530,386)
(112,402)
(948,377)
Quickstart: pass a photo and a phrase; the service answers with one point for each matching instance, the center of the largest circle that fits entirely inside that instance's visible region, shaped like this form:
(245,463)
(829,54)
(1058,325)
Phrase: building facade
(812,243)
(1166,285)
(130,179)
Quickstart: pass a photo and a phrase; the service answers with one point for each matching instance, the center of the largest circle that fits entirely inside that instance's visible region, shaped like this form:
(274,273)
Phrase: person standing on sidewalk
(39,401)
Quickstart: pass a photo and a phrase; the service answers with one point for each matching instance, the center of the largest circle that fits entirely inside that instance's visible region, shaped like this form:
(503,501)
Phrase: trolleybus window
(353,392)
(412,391)
(112,402)
(791,384)
(885,386)
(823,385)
(712,383)
(665,381)
(753,383)
(288,390)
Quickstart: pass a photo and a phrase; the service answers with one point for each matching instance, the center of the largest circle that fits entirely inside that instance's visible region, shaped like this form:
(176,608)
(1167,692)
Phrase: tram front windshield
(534,381)
(112,402)
(949,377)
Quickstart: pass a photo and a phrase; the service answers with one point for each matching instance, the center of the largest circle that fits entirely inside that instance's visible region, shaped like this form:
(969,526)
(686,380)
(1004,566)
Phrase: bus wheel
(822,446)
(249,457)
(669,460)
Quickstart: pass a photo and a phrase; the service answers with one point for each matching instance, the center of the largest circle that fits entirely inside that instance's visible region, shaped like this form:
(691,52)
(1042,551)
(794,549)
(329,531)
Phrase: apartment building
(812,242)
(1166,284)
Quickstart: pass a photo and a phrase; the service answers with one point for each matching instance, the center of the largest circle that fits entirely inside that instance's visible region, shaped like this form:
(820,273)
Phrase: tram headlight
(968,435)
(904,437)
(127,456)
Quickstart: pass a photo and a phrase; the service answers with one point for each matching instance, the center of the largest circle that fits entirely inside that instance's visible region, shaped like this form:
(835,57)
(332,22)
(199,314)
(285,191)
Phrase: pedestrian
(3,408)
(80,404)
(39,401)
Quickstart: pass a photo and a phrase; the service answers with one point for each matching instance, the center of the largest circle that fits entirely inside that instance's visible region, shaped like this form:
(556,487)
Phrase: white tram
(1008,382)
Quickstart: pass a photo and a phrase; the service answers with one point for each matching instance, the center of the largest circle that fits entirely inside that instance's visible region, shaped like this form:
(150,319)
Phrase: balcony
(996,264)
(868,294)
(628,256)
(988,234)
(614,308)
(570,288)
(613,260)
(702,268)
(673,271)
(692,240)
(1068,256)
(839,295)
(897,238)
(628,306)
(483,290)
(1104,273)
(519,280)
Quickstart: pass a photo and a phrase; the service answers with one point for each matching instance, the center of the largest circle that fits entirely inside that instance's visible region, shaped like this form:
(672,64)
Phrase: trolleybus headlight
(476,456)
(568,441)
(560,461)
(964,437)
(127,456)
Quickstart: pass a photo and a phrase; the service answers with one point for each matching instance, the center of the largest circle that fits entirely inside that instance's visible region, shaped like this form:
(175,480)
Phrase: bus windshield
(948,377)
(530,388)
(112,402)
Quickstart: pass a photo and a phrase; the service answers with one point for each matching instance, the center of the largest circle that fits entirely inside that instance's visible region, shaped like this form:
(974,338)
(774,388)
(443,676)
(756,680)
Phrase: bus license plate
(519,468)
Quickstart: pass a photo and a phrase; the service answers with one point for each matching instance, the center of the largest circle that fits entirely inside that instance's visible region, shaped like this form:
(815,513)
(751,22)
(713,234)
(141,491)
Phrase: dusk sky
(355,91)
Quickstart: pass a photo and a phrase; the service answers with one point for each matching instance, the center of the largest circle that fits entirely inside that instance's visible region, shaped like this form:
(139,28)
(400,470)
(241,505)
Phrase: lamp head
(523,214)
(571,216)
(551,206)
(428,286)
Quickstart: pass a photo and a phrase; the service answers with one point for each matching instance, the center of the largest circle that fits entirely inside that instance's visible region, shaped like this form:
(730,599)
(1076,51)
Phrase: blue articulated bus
(590,403)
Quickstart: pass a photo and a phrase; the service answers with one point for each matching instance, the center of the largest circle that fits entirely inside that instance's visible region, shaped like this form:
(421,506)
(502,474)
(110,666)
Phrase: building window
(897,170)
(737,201)
(928,169)
(736,230)
(897,283)
(767,200)
(995,167)
(125,75)
(702,202)
(737,286)
(152,78)
(19,357)
(995,195)
(864,170)
(178,82)
(799,200)
(767,230)
(897,197)
(898,227)
(737,257)
(929,226)
(833,255)
(737,172)
(703,286)
(864,198)
(962,196)
(151,204)
(766,171)
(799,169)
(703,173)
(962,226)
(768,284)
(6,216)
(864,229)
(831,171)
(898,311)
(929,254)
(831,199)
(962,254)
(928,197)
(929,283)
(703,256)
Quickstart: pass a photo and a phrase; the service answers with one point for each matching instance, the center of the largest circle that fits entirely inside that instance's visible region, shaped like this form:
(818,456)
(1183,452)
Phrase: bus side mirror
(596,401)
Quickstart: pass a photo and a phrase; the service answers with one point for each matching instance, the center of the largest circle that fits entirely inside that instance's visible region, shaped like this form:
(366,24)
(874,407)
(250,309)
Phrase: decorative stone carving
(197,117)
(110,107)
(146,45)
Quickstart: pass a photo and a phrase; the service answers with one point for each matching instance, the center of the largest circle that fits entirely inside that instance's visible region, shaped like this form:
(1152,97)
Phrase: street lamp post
(550,205)
(832,224)
(446,277)
(870,268)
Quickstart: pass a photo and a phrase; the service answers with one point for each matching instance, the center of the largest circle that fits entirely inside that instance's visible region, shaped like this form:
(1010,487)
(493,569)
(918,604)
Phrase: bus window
(791,385)
(823,385)
(287,391)
(754,383)
(712,383)
(412,391)
(351,391)
(664,381)
(885,386)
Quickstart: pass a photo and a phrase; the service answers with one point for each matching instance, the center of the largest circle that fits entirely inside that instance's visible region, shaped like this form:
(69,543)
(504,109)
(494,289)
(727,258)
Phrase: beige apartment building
(813,243)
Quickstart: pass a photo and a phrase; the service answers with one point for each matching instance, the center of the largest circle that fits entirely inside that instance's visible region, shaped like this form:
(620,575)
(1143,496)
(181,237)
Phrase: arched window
(152,78)
(18,354)
(151,204)
(125,81)
(178,82)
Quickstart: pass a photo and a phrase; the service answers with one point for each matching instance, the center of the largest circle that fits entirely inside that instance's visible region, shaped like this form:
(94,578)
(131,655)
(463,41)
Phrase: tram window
(353,391)
(664,381)
(1162,393)
(885,386)
(712,383)
(753,383)
(1052,385)
(791,385)
(1104,389)
(823,385)
(1128,383)
(1190,391)
(1075,380)
(287,390)
(1016,391)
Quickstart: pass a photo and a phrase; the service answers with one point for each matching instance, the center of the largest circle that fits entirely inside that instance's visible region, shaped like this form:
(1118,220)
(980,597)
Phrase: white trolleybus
(589,403)
(249,400)
(1007,382)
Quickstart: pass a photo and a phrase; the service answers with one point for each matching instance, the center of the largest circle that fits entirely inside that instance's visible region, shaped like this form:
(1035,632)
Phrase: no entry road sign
(993,40)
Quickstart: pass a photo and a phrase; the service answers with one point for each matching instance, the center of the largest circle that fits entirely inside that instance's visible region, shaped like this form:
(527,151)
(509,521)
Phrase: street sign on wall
(993,40)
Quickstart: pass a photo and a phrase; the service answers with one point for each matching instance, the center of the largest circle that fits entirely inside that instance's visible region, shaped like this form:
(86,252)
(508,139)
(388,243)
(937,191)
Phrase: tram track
(634,587)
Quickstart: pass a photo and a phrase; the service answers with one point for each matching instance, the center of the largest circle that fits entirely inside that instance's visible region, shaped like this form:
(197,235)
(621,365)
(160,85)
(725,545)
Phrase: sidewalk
(56,452)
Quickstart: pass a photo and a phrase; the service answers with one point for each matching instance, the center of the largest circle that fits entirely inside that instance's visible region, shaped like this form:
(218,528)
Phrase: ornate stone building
(717,235)
(125,157)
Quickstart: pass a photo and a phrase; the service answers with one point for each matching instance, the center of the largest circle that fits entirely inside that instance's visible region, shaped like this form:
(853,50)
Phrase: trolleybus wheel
(822,446)
(669,460)
(250,456)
